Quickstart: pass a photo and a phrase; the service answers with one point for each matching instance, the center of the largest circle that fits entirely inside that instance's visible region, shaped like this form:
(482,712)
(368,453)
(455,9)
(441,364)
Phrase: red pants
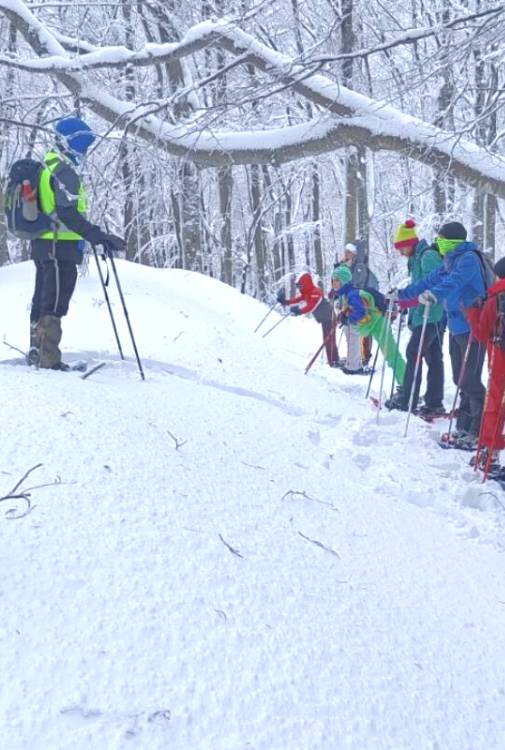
(493,418)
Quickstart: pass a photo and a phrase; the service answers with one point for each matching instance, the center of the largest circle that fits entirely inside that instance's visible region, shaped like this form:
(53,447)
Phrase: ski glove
(427,298)
(296,310)
(281,297)
(111,243)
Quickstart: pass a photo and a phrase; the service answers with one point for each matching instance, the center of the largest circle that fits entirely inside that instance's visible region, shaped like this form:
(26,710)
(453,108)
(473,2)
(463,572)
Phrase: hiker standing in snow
(359,309)
(58,252)
(355,259)
(457,283)
(422,260)
(314,302)
(487,321)
(353,364)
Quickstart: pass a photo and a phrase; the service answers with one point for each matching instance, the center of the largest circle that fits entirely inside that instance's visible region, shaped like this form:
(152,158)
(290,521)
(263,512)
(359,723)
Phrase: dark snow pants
(472,391)
(55,282)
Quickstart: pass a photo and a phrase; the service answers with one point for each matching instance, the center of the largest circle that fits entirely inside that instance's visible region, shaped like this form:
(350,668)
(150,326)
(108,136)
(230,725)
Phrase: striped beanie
(405,235)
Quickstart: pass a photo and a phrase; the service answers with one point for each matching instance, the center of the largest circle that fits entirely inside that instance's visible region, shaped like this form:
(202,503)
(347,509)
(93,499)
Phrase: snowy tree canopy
(341,117)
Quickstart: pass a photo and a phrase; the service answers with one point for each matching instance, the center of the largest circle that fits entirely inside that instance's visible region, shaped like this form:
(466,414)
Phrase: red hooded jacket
(482,322)
(310,294)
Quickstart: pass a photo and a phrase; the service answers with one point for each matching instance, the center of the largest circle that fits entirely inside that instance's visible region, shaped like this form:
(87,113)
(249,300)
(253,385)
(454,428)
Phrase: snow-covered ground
(234,554)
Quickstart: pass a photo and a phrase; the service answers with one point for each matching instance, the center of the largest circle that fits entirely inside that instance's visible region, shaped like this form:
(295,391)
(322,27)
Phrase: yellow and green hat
(405,235)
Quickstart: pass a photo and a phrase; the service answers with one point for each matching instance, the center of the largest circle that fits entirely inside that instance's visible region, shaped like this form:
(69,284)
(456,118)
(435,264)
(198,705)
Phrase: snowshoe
(459,440)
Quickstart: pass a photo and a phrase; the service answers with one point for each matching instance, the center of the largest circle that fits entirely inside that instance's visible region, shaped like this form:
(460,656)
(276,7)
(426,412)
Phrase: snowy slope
(235,555)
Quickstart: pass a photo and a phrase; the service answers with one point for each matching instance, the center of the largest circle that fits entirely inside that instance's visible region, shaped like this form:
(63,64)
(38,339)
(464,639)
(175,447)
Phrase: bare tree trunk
(356,222)
(259,244)
(484,204)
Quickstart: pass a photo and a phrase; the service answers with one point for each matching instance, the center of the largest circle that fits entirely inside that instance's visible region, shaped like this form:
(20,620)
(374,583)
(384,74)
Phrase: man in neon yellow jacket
(58,252)
(359,308)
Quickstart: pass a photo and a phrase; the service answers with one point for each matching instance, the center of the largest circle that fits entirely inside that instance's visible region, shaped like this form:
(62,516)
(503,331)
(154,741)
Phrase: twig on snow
(320,544)
(178,443)
(253,466)
(293,493)
(26,494)
(232,549)
(15,348)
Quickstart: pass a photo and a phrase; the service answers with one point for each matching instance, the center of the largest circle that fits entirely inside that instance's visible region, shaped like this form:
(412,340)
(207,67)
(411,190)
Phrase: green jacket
(424,260)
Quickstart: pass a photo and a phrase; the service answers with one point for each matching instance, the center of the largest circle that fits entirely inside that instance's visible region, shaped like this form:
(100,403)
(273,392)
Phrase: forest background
(249,140)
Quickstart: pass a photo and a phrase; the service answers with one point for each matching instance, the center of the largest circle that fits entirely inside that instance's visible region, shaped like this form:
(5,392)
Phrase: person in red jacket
(485,323)
(314,302)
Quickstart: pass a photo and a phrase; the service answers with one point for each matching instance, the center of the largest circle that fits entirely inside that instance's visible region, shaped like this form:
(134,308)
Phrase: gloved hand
(111,243)
(281,297)
(427,298)
(342,319)
(296,310)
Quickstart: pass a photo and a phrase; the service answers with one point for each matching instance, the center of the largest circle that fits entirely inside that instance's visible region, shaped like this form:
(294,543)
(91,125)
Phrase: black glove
(296,310)
(281,297)
(111,243)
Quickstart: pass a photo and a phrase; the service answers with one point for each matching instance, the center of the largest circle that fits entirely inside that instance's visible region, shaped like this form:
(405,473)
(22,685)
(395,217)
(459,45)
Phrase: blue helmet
(77,135)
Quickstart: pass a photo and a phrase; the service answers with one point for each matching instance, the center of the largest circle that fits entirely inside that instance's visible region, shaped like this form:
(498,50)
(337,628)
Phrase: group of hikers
(449,286)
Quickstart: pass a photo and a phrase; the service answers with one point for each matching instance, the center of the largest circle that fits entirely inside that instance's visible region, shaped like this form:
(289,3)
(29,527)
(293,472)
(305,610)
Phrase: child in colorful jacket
(359,308)
(314,302)
(484,320)
(422,260)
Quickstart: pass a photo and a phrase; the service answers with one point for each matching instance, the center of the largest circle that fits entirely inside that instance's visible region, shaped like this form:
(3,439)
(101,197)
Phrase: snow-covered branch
(349,118)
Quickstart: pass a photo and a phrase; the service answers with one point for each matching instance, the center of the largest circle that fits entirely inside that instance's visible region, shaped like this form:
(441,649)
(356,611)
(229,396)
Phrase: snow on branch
(348,118)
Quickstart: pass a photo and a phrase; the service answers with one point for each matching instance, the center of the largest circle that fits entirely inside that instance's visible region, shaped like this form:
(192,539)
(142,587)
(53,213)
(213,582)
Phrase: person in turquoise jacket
(358,308)
(458,282)
(422,259)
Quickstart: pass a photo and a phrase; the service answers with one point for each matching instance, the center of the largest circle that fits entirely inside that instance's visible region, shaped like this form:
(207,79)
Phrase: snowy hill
(233,554)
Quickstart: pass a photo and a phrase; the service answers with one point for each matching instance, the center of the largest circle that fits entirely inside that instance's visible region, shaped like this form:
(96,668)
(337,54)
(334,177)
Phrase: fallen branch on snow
(25,494)
(232,549)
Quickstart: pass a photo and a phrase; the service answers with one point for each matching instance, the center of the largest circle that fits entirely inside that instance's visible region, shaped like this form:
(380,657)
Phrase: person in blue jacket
(457,283)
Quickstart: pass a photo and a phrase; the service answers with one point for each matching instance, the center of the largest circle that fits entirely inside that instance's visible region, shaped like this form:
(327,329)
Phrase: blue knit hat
(77,135)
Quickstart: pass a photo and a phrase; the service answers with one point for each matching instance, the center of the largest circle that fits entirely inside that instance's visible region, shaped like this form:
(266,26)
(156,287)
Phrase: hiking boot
(431,411)
(49,333)
(359,371)
(396,402)
(465,442)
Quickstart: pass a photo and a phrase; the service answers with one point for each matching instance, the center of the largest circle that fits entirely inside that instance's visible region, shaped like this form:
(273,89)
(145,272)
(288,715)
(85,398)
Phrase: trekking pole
(419,357)
(316,355)
(400,324)
(127,318)
(372,373)
(265,317)
(386,322)
(484,409)
(104,287)
(499,421)
(460,380)
(283,317)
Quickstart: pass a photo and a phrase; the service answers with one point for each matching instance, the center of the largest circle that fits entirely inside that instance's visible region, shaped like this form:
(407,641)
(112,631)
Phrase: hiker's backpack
(380,300)
(21,203)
